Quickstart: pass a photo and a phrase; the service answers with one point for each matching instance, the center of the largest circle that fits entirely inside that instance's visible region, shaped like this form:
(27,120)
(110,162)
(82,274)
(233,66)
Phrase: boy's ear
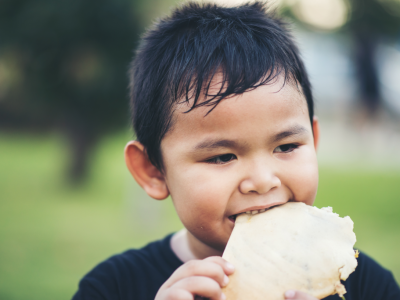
(144,172)
(316,132)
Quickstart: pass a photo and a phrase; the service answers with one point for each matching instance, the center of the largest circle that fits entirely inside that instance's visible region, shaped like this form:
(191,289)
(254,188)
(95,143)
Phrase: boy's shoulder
(374,281)
(133,274)
(370,281)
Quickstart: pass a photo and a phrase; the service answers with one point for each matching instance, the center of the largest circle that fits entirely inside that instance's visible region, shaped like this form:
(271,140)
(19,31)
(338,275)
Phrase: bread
(292,246)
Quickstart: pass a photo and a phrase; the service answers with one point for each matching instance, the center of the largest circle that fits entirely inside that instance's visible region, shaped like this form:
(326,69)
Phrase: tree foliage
(63,64)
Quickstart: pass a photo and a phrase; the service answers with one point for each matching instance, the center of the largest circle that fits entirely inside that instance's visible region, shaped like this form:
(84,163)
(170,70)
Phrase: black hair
(179,56)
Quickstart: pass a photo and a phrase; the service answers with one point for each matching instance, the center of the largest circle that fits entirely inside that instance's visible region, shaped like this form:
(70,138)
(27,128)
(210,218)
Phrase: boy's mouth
(251,212)
(232,218)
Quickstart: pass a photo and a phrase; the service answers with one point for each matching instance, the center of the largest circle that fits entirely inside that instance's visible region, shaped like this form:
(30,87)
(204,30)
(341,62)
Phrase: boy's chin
(216,245)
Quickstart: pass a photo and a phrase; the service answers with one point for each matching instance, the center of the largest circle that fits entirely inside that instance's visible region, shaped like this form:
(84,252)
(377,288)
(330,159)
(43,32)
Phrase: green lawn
(51,235)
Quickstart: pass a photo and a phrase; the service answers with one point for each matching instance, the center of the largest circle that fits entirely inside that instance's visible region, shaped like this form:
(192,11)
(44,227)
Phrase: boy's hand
(203,278)
(297,295)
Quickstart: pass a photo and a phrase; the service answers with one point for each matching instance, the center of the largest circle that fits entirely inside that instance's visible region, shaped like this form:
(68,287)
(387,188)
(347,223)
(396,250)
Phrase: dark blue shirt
(138,274)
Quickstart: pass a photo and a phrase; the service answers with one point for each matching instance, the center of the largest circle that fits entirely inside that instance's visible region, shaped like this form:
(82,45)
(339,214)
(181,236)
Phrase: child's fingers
(199,268)
(201,286)
(297,295)
(174,294)
(228,267)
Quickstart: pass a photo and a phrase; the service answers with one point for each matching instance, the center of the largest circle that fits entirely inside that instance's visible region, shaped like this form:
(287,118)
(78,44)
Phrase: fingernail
(223,297)
(290,294)
(229,266)
(226,280)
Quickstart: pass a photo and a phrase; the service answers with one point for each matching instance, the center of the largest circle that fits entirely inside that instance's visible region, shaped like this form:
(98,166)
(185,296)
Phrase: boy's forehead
(288,90)
(280,96)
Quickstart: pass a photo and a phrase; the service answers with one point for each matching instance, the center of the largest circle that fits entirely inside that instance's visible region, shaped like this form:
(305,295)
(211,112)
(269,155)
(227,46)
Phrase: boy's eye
(285,148)
(222,159)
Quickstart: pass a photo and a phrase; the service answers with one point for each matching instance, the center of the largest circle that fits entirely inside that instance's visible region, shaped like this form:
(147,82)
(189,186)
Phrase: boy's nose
(260,181)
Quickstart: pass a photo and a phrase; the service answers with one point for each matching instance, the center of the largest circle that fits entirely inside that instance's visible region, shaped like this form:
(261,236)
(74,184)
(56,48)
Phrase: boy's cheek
(302,178)
(204,218)
(202,182)
(305,186)
(201,204)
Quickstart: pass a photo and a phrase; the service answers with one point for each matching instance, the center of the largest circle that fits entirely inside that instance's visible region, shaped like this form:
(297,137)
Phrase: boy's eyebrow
(216,143)
(296,129)
(212,144)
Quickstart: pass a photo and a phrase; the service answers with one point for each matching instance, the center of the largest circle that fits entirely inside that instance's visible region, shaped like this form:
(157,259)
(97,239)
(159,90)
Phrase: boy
(223,112)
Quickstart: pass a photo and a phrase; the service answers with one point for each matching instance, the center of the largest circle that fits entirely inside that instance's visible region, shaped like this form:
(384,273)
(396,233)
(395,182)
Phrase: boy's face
(253,151)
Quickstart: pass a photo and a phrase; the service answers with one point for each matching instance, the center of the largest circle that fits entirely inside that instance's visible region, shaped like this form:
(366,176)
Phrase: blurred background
(67,201)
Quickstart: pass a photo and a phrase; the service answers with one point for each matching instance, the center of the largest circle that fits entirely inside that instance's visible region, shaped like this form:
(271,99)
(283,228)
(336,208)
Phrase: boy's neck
(187,247)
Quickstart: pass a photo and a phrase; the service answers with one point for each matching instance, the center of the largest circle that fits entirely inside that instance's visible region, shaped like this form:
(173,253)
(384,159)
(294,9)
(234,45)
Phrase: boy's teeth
(253,212)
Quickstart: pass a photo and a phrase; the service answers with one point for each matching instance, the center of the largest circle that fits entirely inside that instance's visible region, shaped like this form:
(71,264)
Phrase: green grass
(51,235)
(371,199)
